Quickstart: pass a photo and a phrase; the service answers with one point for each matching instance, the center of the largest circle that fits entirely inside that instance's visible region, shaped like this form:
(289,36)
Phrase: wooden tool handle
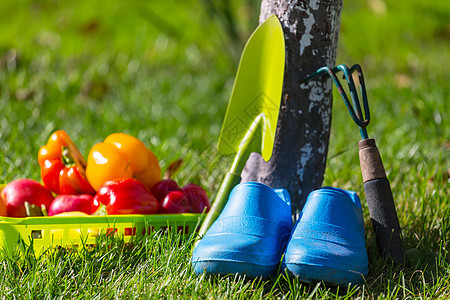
(381,203)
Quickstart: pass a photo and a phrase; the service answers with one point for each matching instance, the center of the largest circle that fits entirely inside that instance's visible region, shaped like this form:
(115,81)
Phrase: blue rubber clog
(327,242)
(250,234)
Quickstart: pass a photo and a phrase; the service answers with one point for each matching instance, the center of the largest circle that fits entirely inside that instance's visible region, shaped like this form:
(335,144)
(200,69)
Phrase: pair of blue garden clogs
(255,232)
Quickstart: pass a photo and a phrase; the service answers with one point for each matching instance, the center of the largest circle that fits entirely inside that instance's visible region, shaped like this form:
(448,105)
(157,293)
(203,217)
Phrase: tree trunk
(311,29)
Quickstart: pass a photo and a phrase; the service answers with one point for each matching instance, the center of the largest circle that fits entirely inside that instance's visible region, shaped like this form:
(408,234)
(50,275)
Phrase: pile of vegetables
(121,176)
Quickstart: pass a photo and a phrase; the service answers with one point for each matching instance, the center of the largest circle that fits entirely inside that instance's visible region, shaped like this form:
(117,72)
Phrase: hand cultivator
(376,185)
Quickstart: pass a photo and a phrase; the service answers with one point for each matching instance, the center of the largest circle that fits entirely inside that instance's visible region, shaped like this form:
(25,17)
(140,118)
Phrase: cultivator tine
(362,120)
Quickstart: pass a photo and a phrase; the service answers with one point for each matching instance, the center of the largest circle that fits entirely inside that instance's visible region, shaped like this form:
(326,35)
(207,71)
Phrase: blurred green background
(163,71)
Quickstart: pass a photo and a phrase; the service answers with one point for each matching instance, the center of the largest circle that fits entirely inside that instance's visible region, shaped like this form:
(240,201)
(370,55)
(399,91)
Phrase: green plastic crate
(71,231)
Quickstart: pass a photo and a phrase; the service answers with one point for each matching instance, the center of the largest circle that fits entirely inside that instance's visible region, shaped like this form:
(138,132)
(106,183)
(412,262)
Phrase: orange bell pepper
(122,156)
(2,203)
(63,166)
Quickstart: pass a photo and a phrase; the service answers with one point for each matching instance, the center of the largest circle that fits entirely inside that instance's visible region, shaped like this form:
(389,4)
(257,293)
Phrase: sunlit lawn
(163,72)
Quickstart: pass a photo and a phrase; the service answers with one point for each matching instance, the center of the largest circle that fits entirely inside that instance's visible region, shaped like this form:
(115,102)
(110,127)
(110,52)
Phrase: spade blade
(257,90)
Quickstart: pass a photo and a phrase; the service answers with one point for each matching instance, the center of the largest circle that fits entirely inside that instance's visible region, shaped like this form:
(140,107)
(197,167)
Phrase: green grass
(163,72)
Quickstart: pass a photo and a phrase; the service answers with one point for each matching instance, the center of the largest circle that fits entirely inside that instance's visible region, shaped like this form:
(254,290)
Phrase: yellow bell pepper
(72,214)
(122,156)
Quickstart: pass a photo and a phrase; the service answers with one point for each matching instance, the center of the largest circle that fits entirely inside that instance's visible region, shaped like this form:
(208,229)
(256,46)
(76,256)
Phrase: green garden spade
(252,114)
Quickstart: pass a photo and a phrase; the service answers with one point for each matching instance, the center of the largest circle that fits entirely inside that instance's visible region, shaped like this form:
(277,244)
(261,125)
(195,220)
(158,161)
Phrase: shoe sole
(222,267)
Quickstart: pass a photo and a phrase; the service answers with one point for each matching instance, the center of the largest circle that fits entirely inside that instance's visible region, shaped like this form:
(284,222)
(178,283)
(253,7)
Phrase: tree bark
(311,30)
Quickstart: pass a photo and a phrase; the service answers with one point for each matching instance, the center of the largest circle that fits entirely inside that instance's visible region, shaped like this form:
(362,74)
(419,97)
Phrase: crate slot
(94,232)
(111,231)
(36,234)
(183,229)
(147,230)
(166,228)
(130,231)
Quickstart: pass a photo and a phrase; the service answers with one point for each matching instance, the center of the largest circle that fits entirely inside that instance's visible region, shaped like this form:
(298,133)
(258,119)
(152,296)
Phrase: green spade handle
(228,183)
(250,143)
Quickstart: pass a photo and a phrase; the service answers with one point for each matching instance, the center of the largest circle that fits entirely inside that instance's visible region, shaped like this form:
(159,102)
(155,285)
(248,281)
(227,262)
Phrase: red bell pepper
(63,166)
(125,196)
(70,203)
